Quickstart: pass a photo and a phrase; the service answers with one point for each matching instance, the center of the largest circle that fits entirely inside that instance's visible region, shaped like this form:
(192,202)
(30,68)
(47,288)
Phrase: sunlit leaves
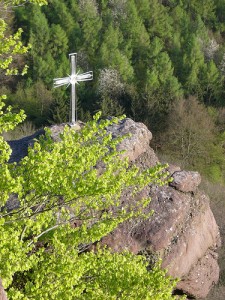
(70,194)
(39,2)
(9,46)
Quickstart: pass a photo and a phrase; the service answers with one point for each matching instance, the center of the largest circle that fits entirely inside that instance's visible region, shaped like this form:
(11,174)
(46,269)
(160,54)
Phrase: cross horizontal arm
(85,76)
(61,81)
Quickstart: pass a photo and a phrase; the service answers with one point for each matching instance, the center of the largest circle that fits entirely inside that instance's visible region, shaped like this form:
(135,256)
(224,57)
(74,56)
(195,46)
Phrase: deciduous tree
(60,184)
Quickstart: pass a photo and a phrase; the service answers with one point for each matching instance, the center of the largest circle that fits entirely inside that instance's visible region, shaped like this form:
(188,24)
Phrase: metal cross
(73,79)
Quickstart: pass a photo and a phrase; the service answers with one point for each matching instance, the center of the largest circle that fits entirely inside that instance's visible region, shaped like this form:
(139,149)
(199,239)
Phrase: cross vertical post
(73,79)
(73,61)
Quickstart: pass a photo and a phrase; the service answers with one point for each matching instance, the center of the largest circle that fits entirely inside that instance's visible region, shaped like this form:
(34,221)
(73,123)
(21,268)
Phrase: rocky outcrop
(182,230)
(186,181)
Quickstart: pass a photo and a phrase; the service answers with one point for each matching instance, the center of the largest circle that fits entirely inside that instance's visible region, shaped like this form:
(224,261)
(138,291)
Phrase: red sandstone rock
(186,181)
(182,230)
(2,292)
(196,282)
(138,141)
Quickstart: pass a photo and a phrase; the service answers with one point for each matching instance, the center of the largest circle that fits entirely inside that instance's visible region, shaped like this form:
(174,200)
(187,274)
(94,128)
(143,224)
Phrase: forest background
(159,62)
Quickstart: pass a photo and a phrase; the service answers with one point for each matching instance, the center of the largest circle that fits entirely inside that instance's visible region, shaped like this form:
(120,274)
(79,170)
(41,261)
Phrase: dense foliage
(159,50)
(147,56)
